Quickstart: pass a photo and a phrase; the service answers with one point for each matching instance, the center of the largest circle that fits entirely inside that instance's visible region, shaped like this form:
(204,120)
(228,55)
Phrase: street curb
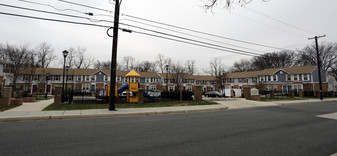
(304,102)
(60,117)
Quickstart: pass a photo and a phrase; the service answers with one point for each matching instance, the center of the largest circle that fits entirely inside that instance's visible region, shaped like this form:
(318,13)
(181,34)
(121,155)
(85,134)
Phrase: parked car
(213,94)
(155,93)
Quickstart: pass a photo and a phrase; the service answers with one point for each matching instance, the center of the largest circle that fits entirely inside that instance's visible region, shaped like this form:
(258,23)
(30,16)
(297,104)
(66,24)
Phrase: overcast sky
(298,20)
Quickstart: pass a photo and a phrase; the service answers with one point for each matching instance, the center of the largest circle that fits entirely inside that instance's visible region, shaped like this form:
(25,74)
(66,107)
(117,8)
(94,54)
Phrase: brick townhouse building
(6,75)
(44,80)
(280,79)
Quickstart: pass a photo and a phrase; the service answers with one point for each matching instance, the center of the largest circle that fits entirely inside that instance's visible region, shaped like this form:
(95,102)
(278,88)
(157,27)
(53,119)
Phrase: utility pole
(112,91)
(319,66)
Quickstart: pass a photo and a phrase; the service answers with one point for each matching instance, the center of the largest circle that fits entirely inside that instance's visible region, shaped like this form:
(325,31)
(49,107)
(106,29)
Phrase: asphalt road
(282,130)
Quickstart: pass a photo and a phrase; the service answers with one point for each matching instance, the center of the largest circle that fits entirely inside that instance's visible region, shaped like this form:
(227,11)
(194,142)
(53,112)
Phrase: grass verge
(127,105)
(4,108)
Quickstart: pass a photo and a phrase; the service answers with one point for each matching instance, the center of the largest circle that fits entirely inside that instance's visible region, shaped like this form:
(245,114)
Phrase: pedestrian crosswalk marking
(329,116)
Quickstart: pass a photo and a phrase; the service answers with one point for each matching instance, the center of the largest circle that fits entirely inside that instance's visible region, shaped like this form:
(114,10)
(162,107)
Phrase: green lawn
(38,98)
(127,105)
(4,108)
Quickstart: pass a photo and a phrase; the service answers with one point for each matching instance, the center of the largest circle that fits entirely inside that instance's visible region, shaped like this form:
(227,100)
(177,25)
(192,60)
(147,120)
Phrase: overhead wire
(123,29)
(43,4)
(154,31)
(151,25)
(282,22)
(178,27)
(271,26)
(74,10)
(49,12)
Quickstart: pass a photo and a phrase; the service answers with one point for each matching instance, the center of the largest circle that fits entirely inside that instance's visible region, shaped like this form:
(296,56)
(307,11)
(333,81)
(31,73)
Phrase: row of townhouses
(44,80)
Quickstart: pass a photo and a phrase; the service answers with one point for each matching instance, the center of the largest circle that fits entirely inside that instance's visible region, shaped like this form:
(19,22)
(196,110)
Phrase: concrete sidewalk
(34,106)
(32,111)
(45,115)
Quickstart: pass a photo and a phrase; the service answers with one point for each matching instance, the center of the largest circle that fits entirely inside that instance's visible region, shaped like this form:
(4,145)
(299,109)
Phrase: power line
(54,20)
(132,26)
(87,6)
(200,45)
(277,20)
(204,33)
(178,27)
(151,25)
(184,38)
(95,20)
(42,4)
(96,25)
(78,11)
(256,21)
(49,12)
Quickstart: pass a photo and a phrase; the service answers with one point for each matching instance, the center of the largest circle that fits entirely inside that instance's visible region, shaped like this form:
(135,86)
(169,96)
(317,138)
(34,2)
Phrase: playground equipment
(131,86)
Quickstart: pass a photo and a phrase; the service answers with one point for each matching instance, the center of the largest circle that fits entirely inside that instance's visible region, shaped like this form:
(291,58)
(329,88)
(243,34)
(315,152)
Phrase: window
(269,78)
(254,80)
(296,77)
(171,88)
(93,78)
(275,77)
(70,78)
(267,87)
(87,78)
(36,77)
(106,78)
(57,77)
(79,78)
(261,78)
(288,78)
(189,88)
(305,77)
(153,87)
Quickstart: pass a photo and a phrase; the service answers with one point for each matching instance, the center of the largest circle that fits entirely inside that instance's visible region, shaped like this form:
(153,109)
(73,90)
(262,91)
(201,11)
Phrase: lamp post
(167,68)
(67,69)
(65,54)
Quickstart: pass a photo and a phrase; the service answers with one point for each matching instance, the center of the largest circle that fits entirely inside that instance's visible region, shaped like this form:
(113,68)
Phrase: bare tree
(146,66)
(80,59)
(218,70)
(243,65)
(128,62)
(71,57)
(178,73)
(274,60)
(226,3)
(328,55)
(44,55)
(190,67)
(162,61)
(333,71)
(18,57)
(88,63)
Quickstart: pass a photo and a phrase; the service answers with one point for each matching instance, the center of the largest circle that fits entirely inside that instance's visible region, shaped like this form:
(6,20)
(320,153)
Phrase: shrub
(187,95)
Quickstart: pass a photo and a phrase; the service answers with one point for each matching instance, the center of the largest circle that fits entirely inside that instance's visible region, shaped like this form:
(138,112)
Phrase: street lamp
(65,54)
(67,69)
(167,68)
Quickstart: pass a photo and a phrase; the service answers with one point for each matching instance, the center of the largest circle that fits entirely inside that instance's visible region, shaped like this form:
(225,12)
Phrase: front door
(48,88)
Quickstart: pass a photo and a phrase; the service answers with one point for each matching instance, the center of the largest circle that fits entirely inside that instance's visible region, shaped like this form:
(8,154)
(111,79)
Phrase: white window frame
(87,78)
(93,78)
(79,78)
(153,87)
(57,78)
(296,76)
